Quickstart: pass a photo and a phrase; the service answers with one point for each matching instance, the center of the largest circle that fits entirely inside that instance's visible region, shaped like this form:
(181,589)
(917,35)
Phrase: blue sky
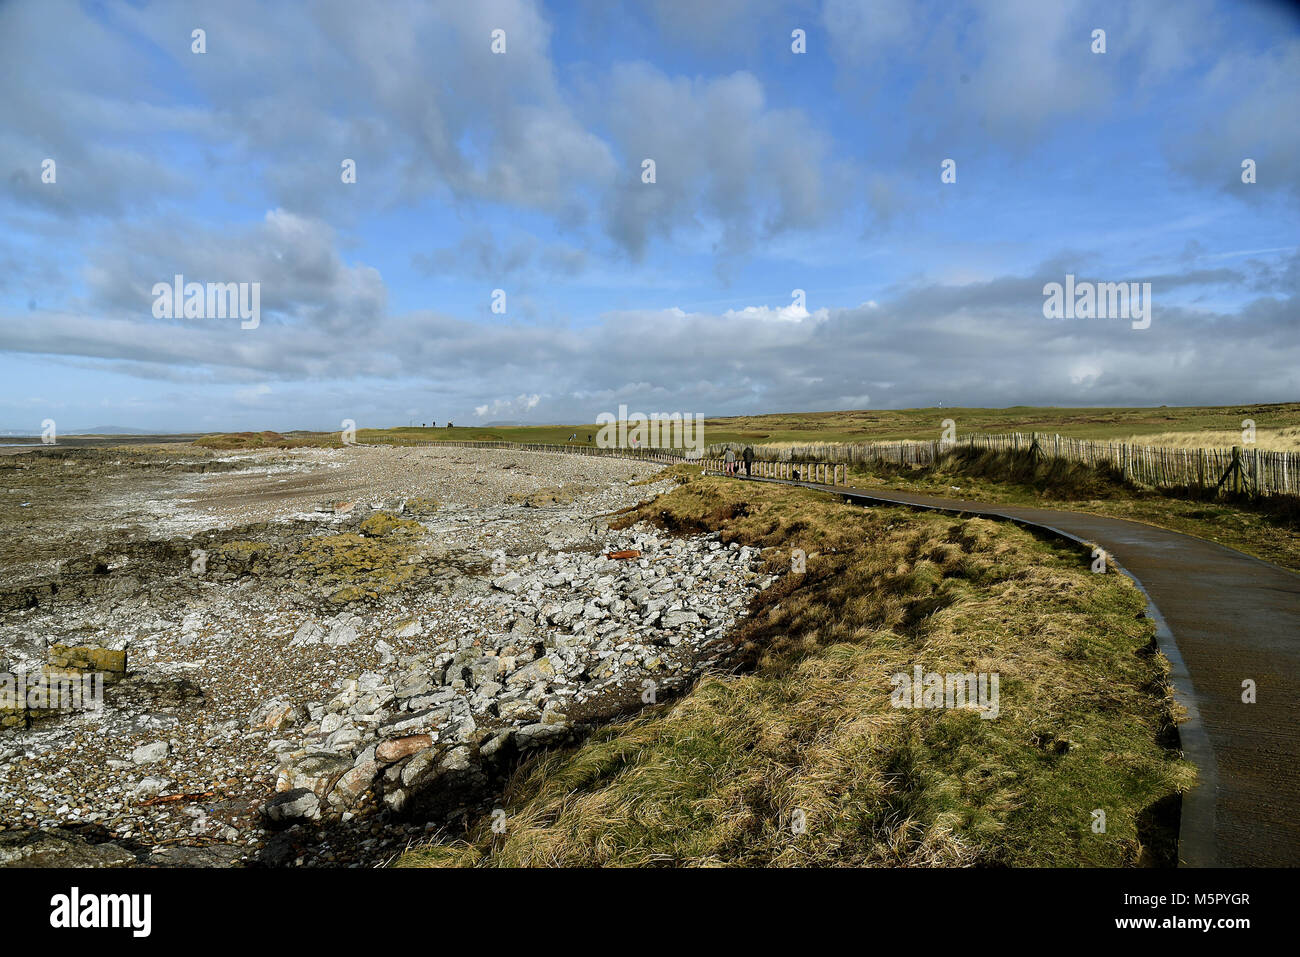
(521,171)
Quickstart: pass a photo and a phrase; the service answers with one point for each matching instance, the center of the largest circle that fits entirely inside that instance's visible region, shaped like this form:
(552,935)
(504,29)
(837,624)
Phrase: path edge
(1197,818)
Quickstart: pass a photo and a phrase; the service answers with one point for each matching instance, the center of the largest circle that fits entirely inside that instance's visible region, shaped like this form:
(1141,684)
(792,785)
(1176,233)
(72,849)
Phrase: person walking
(729,462)
(748,456)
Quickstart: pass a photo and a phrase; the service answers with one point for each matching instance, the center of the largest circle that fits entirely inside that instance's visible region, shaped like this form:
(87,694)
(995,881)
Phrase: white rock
(151,753)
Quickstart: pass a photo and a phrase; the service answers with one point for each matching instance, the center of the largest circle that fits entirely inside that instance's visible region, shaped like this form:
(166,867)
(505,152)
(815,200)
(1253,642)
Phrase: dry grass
(243,440)
(720,775)
(1270,440)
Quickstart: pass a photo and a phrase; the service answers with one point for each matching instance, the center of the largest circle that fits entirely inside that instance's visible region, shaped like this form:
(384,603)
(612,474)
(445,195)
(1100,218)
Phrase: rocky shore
(329,652)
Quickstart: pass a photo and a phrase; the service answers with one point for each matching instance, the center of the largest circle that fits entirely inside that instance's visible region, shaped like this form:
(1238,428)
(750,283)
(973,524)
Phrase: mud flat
(325,652)
(17,445)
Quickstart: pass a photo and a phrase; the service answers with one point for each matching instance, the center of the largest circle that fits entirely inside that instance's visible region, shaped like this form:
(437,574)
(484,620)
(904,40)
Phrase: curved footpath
(1221,617)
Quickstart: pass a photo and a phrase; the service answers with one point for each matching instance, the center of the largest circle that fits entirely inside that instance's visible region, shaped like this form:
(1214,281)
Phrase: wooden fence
(666,456)
(826,473)
(1238,469)
(822,473)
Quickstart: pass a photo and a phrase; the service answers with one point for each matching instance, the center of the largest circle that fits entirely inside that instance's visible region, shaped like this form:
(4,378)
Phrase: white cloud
(519,405)
(790,313)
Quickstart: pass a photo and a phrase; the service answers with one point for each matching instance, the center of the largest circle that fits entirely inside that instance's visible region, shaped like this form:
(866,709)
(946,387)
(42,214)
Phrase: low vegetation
(244,440)
(798,757)
(383,558)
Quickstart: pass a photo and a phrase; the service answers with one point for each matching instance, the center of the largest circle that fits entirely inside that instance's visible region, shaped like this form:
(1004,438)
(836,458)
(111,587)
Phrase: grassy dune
(248,440)
(807,731)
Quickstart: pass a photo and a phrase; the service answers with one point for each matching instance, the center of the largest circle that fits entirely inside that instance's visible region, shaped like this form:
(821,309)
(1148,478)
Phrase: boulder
(394,749)
(352,785)
(34,847)
(296,805)
(150,786)
(677,618)
(418,722)
(276,715)
(151,753)
(316,771)
(419,767)
(540,670)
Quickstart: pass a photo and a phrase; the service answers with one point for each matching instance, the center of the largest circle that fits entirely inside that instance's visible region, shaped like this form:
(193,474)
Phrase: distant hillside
(35,430)
(108,430)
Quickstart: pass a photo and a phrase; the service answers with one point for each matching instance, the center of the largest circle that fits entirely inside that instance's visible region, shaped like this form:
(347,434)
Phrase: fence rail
(666,456)
(827,472)
(1238,469)
(823,473)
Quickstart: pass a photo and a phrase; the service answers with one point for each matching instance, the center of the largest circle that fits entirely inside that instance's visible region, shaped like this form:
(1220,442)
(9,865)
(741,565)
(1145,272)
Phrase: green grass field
(1166,425)
(1181,426)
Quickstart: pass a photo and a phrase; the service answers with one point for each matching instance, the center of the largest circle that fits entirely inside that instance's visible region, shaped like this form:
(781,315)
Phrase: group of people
(730,466)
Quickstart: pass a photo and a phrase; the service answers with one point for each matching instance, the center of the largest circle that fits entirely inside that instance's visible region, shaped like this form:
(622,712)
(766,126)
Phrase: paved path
(1222,617)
